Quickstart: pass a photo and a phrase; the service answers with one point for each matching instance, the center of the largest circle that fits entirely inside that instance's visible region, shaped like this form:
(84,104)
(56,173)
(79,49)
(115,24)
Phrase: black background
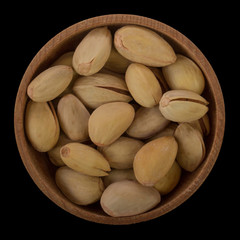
(212,27)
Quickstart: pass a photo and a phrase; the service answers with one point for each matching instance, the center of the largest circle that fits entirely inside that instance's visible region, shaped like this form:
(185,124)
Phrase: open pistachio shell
(101,88)
(191,147)
(41,125)
(182,105)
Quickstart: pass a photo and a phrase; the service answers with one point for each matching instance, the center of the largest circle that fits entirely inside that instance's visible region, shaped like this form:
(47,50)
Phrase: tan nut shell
(50,83)
(117,175)
(166,184)
(109,121)
(41,125)
(73,117)
(154,160)
(191,147)
(127,198)
(182,106)
(184,74)
(147,122)
(120,153)
(79,188)
(116,62)
(101,88)
(143,85)
(84,159)
(142,45)
(93,51)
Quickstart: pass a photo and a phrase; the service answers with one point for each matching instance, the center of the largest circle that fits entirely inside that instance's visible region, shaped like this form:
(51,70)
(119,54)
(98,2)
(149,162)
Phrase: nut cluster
(121,117)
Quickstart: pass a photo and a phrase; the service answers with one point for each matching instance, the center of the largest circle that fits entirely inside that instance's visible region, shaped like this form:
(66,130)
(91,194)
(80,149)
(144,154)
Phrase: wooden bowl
(42,171)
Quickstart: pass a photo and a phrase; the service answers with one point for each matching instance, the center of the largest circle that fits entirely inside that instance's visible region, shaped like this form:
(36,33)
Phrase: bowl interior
(41,169)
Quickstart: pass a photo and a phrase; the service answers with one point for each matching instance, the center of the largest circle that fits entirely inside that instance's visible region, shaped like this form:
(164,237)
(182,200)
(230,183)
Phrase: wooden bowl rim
(108,20)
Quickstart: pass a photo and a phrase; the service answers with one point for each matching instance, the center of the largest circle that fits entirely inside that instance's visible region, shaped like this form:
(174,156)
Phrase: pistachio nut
(54,153)
(143,85)
(127,198)
(117,175)
(147,122)
(120,153)
(182,105)
(101,88)
(41,125)
(93,51)
(154,160)
(191,147)
(142,45)
(184,74)
(84,159)
(202,124)
(73,117)
(109,121)
(66,59)
(50,83)
(116,62)
(167,183)
(79,188)
(167,131)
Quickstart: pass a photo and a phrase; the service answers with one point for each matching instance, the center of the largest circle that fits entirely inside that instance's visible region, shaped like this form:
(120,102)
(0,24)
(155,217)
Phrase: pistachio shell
(73,117)
(184,74)
(127,198)
(117,175)
(50,83)
(191,147)
(167,131)
(166,184)
(84,159)
(120,154)
(202,124)
(109,121)
(41,125)
(147,122)
(79,188)
(142,45)
(93,51)
(143,85)
(154,160)
(101,88)
(182,106)
(116,62)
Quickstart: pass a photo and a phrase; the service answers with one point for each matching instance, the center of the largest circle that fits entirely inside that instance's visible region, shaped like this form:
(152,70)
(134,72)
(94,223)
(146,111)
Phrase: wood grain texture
(42,171)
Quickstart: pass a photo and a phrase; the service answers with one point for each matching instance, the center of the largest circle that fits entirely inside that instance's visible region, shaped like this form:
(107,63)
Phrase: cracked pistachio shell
(143,85)
(116,175)
(109,121)
(154,160)
(166,184)
(147,122)
(191,147)
(41,125)
(116,62)
(101,88)
(84,159)
(50,83)
(182,106)
(120,153)
(93,51)
(202,124)
(73,117)
(184,74)
(79,188)
(142,45)
(128,198)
